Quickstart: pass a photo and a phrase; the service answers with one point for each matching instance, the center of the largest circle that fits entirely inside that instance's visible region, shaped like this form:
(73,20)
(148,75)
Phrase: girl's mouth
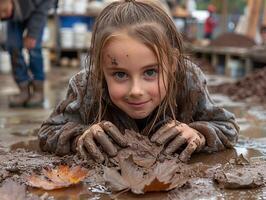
(138,104)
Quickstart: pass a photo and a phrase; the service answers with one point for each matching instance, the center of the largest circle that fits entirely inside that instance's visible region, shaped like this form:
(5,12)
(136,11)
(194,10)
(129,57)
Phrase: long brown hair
(150,24)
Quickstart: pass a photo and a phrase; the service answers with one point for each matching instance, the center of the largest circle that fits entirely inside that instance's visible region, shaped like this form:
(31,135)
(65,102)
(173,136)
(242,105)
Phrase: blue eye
(151,73)
(120,75)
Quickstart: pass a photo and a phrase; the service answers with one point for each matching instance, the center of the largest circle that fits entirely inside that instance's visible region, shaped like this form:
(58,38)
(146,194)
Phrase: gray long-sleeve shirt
(34,12)
(69,119)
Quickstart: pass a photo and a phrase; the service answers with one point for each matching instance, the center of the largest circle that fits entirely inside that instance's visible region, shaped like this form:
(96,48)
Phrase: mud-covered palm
(104,134)
(174,135)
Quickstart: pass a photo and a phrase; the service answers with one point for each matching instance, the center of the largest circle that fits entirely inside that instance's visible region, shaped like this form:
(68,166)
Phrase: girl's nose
(136,89)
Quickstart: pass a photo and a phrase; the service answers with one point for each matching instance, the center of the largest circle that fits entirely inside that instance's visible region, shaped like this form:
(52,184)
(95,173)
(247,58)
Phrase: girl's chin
(139,116)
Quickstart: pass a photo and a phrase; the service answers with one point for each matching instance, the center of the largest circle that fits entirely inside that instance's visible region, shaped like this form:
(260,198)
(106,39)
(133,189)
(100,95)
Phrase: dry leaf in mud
(240,160)
(61,177)
(144,152)
(11,190)
(239,179)
(161,177)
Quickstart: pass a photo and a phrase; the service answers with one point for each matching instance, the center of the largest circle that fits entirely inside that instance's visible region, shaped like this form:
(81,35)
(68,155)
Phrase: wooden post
(224,15)
(253,17)
(264,14)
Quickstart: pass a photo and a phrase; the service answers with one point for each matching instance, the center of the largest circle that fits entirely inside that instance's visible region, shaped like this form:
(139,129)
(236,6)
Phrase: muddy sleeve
(58,133)
(217,124)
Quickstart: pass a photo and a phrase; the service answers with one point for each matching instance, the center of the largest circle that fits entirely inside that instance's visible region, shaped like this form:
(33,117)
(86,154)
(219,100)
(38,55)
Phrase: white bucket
(5,62)
(67,37)
(68,6)
(80,7)
(46,60)
(236,68)
(80,35)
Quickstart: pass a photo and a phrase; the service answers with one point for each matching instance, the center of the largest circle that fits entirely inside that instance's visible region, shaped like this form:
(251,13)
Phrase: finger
(92,149)
(74,144)
(187,152)
(80,147)
(175,144)
(114,133)
(44,134)
(168,135)
(66,133)
(200,142)
(162,130)
(51,142)
(100,136)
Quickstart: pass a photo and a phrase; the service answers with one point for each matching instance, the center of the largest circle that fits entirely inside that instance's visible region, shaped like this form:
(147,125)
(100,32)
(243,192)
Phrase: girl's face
(135,83)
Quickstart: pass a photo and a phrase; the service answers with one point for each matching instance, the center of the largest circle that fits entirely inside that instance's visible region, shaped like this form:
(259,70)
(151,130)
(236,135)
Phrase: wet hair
(148,23)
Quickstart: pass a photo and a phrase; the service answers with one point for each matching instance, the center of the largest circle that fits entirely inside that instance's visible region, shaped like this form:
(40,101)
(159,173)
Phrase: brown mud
(251,88)
(237,173)
(232,40)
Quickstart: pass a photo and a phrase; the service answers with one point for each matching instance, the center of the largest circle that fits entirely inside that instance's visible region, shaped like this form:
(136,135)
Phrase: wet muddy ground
(223,175)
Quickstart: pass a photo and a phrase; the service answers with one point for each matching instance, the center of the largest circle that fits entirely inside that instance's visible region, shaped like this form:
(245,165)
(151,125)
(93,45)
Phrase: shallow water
(18,130)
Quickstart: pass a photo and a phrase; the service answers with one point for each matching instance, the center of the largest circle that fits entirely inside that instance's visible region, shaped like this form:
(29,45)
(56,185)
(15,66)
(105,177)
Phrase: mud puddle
(23,156)
(19,162)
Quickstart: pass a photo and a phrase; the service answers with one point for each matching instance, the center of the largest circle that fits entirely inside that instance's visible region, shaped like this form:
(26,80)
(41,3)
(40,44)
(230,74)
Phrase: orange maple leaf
(60,177)
(156,186)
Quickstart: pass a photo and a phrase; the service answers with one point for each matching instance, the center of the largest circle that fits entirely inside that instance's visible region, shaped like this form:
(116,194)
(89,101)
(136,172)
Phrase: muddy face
(135,83)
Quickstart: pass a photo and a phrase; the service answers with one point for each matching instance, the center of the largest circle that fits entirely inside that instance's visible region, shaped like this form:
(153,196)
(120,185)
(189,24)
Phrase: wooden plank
(224,15)
(264,14)
(253,17)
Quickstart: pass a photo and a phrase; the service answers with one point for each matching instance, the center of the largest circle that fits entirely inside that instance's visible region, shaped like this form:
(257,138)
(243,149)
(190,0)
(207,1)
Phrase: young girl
(138,78)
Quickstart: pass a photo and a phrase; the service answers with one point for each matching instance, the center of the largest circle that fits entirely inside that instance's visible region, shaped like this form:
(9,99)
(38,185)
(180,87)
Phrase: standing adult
(210,23)
(26,22)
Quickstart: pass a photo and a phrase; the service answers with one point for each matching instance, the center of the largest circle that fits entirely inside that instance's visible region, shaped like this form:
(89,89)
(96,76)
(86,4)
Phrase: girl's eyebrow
(151,65)
(144,67)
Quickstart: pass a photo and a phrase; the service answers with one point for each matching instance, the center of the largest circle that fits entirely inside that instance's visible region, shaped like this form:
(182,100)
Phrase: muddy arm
(58,133)
(215,123)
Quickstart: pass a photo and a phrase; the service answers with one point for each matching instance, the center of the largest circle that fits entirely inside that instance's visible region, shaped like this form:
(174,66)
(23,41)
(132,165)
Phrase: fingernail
(99,159)
(168,151)
(183,158)
(153,138)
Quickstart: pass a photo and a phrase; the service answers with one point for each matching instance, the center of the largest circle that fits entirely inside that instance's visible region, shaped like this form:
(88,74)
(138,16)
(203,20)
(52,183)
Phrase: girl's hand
(99,133)
(176,134)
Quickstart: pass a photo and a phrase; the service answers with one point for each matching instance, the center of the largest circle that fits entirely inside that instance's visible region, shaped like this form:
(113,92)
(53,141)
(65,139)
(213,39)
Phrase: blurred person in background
(26,22)
(210,22)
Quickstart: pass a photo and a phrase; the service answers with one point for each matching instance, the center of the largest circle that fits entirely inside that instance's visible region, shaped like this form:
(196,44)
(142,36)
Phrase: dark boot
(37,96)
(19,100)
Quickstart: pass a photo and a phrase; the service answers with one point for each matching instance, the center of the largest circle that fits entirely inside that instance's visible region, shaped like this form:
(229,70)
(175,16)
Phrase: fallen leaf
(239,179)
(11,190)
(60,177)
(242,160)
(143,151)
(156,186)
(161,177)
(114,180)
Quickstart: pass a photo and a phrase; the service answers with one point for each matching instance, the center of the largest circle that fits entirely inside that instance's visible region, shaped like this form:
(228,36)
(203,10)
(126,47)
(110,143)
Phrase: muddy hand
(176,134)
(99,133)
